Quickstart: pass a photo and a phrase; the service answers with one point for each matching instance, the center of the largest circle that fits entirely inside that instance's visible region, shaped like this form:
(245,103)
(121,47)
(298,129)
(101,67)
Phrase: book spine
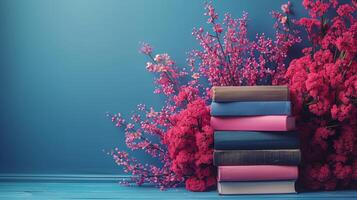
(245,140)
(256,157)
(251,108)
(254,123)
(257,187)
(257,173)
(250,93)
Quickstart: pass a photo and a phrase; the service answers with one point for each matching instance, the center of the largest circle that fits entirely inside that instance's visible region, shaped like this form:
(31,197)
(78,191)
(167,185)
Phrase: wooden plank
(50,190)
(62,177)
(82,186)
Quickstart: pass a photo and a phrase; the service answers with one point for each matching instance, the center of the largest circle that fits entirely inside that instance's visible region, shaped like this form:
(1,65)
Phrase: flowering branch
(185,146)
(237,60)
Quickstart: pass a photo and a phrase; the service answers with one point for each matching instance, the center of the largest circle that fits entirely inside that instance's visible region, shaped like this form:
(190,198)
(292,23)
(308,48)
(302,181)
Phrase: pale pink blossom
(146,49)
(286,7)
(195,75)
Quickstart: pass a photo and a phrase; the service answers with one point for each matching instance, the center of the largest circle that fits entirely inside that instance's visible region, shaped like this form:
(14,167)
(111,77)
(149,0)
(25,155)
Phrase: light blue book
(251,108)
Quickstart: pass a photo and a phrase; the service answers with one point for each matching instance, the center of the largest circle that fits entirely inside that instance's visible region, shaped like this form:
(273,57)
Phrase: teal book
(245,140)
(251,108)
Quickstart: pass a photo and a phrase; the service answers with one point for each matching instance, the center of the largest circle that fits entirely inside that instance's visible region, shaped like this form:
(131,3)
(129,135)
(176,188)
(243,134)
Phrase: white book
(257,187)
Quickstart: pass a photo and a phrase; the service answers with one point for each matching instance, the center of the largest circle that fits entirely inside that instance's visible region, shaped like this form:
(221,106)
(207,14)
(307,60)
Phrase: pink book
(257,173)
(254,123)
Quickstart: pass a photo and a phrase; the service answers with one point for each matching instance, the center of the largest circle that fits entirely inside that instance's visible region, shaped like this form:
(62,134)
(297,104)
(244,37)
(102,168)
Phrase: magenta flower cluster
(323,85)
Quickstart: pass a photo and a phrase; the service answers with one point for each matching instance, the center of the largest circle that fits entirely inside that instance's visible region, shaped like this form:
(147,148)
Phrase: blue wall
(64,63)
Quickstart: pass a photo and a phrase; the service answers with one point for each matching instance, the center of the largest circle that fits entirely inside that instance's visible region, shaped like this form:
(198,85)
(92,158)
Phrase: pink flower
(146,49)
(211,13)
(195,75)
(346,10)
(286,7)
(217,28)
(347,42)
(195,184)
(317,8)
(342,171)
(150,67)
(129,126)
(151,113)
(284,19)
(321,136)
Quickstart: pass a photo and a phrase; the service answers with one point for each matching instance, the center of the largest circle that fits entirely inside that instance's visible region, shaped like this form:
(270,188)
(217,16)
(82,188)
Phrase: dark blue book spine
(251,108)
(249,140)
(257,157)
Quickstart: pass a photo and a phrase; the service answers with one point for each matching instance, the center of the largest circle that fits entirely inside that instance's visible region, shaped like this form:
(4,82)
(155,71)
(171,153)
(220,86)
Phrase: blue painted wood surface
(90,190)
(99,186)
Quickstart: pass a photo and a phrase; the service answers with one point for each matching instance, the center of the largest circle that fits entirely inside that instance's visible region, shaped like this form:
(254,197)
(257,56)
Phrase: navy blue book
(251,108)
(249,140)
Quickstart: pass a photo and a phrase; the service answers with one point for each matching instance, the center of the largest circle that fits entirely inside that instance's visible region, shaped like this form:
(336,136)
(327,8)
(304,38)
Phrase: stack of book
(256,149)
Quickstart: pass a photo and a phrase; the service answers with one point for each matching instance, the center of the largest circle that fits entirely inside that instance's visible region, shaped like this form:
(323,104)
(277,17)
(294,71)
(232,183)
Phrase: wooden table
(70,188)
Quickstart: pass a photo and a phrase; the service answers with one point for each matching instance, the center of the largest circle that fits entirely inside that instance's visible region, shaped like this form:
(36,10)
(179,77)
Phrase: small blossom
(195,75)
(284,19)
(286,7)
(217,28)
(150,67)
(146,49)
(129,126)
